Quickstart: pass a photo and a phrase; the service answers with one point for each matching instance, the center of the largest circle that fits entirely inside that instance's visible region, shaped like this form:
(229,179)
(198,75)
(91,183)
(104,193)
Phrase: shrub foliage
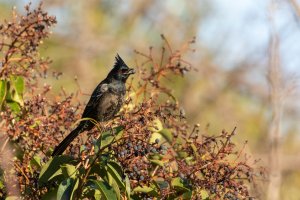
(148,151)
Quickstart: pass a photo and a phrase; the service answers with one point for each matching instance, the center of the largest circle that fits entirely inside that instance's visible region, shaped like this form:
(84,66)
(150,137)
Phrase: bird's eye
(124,70)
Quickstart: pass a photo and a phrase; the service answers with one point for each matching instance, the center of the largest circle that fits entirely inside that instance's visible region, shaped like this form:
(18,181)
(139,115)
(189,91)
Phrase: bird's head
(120,70)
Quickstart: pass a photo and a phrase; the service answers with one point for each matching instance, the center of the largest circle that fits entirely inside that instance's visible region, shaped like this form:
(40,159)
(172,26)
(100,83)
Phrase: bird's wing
(94,100)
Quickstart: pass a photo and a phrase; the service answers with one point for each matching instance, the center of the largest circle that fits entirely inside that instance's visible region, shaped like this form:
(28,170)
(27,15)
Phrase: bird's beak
(131,71)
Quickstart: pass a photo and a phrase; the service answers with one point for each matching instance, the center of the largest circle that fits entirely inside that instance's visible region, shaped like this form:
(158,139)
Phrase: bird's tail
(65,143)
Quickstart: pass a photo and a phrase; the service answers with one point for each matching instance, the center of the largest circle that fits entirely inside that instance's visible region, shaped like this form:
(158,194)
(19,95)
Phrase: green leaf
(195,151)
(127,187)
(67,188)
(106,190)
(1,184)
(35,124)
(166,133)
(155,136)
(12,198)
(19,84)
(115,170)
(161,185)
(204,194)
(99,169)
(188,195)
(182,154)
(157,162)
(190,160)
(3,91)
(156,126)
(109,136)
(17,89)
(36,161)
(68,170)
(75,188)
(52,168)
(114,185)
(14,106)
(145,189)
(177,183)
(97,195)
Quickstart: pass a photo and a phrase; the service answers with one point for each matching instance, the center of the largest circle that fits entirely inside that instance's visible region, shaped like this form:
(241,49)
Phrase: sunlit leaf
(17,89)
(204,194)
(114,185)
(106,190)
(19,84)
(67,188)
(1,184)
(75,186)
(156,126)
(68,170)
(12,198)
(194,148)
(165,134)
(177,183)
(182,154)
(36,161)
(52,168)
(157,162)
(3,90)
(127,187)
(14,106)
(115,170)
(145,189)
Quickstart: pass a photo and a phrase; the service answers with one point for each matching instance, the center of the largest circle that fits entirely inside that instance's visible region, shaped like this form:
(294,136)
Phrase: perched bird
(104,104)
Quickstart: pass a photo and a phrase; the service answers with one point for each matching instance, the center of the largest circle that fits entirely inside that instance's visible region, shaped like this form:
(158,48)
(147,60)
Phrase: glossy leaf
(106,190)
(167,134)
(145,189)
(68,170)
(36,161)
(127,187)
(52,168)
(114,185)
(115,170)
(67,188)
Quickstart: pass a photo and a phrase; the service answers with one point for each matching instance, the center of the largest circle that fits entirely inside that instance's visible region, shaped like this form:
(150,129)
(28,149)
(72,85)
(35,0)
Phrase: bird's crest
(119,62)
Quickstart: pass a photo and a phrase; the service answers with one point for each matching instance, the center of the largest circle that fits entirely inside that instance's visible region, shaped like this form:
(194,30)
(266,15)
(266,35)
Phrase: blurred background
(247,56)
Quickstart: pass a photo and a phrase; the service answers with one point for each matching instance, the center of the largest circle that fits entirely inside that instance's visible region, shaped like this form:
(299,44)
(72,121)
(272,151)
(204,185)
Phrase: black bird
(104,104)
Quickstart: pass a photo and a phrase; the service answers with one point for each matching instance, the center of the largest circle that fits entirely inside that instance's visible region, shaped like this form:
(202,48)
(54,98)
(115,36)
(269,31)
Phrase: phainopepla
(105,102)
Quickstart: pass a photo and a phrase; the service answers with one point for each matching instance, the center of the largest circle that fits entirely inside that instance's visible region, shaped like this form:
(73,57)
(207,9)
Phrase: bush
(148,151)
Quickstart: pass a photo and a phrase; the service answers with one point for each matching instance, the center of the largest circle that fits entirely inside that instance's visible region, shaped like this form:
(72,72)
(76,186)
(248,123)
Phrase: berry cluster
(135,155)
